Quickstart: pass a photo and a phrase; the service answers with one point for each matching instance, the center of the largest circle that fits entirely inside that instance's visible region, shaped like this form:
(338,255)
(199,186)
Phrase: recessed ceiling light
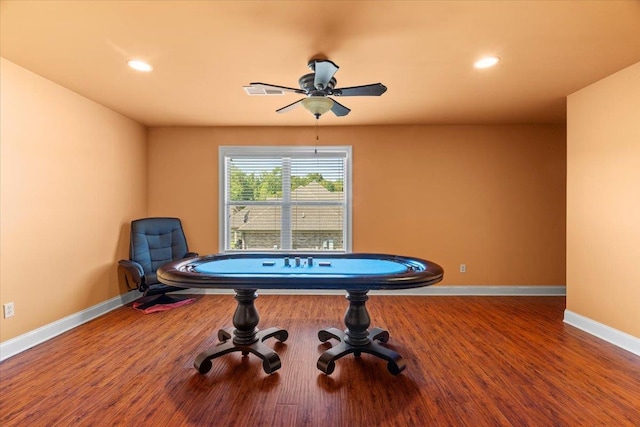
(486,62)
(139,65)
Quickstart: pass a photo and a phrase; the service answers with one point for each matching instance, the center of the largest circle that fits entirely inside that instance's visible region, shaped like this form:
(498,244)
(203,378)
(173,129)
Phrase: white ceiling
(203,53)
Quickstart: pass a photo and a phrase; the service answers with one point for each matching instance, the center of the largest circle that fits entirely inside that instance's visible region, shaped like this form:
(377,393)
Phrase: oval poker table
(356,273)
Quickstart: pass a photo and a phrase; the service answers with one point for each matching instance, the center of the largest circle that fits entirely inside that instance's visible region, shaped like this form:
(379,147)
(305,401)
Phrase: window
(285,199)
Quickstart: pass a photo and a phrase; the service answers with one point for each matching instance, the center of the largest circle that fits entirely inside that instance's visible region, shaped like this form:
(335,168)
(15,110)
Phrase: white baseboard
(481,291)
(429,290)
(607,333)
(30,339)
(37,336)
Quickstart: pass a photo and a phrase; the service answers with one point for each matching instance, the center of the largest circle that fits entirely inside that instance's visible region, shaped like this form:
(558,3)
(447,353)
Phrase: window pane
(317,227)
(254,179)
(317,179)
(255,227)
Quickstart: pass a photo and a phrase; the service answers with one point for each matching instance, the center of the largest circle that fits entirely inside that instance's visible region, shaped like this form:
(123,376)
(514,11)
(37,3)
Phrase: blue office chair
(154,242)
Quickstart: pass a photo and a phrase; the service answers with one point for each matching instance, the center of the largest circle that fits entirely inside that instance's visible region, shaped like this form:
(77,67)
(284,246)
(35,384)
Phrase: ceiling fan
(318,86)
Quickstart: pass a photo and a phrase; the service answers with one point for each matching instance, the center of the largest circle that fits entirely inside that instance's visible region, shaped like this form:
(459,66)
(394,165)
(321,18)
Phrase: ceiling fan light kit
(317,105)
(317,86)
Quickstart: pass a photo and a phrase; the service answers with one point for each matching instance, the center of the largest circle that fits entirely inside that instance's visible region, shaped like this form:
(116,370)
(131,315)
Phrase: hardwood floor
(471,361)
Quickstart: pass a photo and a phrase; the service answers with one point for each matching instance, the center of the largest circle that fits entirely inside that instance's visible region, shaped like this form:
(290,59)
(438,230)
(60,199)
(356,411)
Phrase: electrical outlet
(9,310)
(463,268)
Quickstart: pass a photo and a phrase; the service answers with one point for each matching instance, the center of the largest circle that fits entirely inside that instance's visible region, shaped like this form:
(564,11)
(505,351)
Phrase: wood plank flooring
(471,361)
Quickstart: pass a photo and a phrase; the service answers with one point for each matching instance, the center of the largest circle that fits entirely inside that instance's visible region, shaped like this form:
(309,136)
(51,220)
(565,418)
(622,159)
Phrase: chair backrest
(155,242)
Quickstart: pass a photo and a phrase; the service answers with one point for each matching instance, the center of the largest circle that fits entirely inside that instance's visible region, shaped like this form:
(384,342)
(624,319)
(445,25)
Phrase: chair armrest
(131,274)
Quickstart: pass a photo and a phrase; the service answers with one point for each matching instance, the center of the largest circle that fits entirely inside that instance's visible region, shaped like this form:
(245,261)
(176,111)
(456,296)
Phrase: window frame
(225,152)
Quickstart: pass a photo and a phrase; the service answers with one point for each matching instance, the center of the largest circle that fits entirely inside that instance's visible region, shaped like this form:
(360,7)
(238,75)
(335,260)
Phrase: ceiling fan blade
(339,109)
(324,70)
(267,87)
(290,106)
(375,89)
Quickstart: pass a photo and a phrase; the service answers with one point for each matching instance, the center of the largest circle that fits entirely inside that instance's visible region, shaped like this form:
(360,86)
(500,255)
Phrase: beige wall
(73,174)
(603,201)
(492,197)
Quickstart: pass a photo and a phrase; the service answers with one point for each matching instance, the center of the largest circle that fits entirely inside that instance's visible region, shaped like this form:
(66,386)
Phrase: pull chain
(318,234)
(317,137)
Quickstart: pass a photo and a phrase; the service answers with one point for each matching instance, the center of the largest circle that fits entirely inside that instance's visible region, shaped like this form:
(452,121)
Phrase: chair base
(149,301)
